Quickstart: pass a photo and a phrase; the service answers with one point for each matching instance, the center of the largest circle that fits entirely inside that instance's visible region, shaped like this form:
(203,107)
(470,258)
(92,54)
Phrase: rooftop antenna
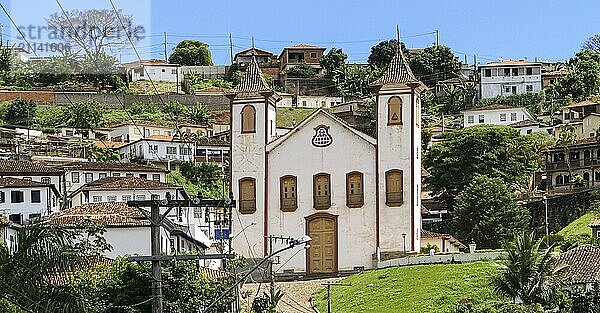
(252,42)
(398,36)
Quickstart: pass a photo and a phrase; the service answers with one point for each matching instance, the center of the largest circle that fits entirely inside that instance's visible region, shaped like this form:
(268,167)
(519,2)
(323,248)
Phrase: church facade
(357,197)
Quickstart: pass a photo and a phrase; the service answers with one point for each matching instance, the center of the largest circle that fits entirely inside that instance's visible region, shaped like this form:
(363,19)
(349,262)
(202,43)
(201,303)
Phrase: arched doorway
(322,257)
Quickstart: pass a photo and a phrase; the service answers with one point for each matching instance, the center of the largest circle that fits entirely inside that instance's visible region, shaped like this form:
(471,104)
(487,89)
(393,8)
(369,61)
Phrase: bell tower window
(394,186)
(247,202)
(395,111)
(248,119)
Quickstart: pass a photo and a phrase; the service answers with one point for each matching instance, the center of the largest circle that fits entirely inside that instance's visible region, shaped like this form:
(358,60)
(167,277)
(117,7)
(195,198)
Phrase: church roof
(317,112)
(253,81)
(398,72)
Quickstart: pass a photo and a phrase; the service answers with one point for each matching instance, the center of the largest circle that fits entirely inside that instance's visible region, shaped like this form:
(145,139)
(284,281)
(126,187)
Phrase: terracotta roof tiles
(595,222)
(253,81)
(584,264)
(27,167)
(111,166)
(108,214)
(398,72)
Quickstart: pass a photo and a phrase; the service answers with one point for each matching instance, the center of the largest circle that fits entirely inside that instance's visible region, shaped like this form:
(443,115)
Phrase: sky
(546,30)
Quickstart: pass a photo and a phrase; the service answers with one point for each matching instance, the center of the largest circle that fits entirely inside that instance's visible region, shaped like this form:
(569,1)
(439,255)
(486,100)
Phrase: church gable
(320,130)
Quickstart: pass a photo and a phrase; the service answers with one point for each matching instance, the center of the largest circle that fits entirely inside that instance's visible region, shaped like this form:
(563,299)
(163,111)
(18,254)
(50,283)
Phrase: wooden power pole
(156,220)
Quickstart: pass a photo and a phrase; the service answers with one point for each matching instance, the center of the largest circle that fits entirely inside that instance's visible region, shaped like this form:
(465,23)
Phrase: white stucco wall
(133,241)
(494,86)
(395,152)
(298,157)
(317,101)
(48,202)
(493,117)
(79,198)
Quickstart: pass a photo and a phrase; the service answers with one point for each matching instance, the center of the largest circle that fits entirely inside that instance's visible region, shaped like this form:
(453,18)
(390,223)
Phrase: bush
(466,306)
(20,112)
(301,70)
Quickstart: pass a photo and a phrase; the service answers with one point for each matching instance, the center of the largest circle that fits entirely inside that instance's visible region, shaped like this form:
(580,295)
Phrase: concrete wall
(442,258)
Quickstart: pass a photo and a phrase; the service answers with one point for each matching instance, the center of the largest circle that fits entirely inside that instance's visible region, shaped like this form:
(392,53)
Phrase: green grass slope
(289,117)
(579,226)
(421,288)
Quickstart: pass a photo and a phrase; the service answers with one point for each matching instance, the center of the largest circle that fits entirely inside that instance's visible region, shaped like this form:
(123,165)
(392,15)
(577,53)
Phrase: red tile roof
(595,222)
(398,72)
(252,81)
(492,107)
(584,264)
(27,167)
(111,166)
(108,214)
(426,234)
(110,183)
(304,46)
(17,182)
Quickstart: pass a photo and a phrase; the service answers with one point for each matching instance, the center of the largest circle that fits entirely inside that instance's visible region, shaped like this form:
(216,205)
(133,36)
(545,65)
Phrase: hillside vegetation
(421,288)
(579,227)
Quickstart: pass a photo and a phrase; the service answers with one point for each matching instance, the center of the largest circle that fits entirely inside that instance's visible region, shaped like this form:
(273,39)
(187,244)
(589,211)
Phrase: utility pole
(156,221)
(328,285)
(437,37)
(231,48)
(166,58)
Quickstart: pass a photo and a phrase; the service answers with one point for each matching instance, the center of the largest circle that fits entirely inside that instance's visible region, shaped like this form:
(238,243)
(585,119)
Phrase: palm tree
(530,274)
(36,277)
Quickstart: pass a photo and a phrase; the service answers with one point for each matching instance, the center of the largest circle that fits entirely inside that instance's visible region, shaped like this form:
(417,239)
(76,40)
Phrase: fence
(442,258)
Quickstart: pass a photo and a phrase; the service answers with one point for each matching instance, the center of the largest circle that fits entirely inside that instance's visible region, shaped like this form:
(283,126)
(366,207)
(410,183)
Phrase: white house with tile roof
(127,229)
(357,197)
(495,114)
(9,233)
(27,198)
(34,171)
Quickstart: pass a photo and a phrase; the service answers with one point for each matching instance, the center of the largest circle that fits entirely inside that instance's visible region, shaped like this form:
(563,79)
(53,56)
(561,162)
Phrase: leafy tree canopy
(191,52)
(383,53)
(301,70)
(487,212)
(20,112)
(333,60)
(583,79)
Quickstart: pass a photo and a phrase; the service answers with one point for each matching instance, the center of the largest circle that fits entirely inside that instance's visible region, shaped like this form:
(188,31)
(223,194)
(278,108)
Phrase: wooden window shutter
(248,119)
(288,193)
(321,191)
(394,187)
(395,111)
(354,190)
(247,195)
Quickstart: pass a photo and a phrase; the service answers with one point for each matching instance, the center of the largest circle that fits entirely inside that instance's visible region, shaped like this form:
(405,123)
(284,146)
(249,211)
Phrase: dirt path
(296,294)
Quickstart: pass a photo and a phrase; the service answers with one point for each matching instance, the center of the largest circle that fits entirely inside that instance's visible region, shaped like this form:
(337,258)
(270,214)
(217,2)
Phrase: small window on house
(2,197)
(529,71)
(515,72)
(394,187)
(197,212)
(36,196)
(288,194)
(506,72)
(89,177)
(487,73)
(481,118)
(111,198)
(313,55)
(16,196)
(507,89)
(144,176)
(470,119)
(247,195)
(171,150)
(126,198)
(97,198)
(102,175)
(354,190)
(174,71)
(156,177)
(395,111)
(248,119)
(155,132)
(303,103)
(529,88)
(116,174)
(529,131)
(514,90)
(75,177)
(502,117)
(513,117)
(129,175)
(321,191)
(155,197)
(163,70)
(140,197)
(45,180)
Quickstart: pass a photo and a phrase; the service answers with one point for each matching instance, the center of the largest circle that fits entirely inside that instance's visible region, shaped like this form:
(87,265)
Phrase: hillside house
(155,70)
(27,199)
(581,158)
(35,172)
(9,233)
(595,226)
(583,267)
(495,114)
(509,78)
(298,54)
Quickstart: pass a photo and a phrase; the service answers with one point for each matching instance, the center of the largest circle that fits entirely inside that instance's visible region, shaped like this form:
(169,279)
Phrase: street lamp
(305,239)
(546,220)
(472,246)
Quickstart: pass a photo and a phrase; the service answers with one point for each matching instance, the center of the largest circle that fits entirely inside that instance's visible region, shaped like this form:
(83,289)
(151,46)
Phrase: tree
(333,60)
(84,116)
(191,53)
(529,274)
(583,79)
(101,70)
(592,43)
(198,114)
(20,112)
(490,150)
(487,212)
(94,31)
(434,64)
(36,277)
(56,70)
(103,154)
(383,53)
(353,80)
(206,174)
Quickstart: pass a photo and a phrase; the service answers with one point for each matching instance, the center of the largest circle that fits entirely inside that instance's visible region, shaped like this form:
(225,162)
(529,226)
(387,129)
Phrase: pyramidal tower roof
(253,81)
(398,72)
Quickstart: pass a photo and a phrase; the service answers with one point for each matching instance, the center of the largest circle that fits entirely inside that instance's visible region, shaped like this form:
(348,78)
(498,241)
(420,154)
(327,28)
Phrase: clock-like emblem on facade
(322,138)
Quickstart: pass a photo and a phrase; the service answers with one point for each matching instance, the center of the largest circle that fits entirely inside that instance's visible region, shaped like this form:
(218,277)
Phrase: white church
(357,197)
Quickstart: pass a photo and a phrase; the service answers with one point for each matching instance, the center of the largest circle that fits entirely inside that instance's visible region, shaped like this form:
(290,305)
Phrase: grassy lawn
(144,87)
(421,288)
(579,226)
(289,117)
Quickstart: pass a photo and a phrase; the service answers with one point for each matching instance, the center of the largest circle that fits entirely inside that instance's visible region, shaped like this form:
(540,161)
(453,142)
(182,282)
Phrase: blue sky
(548,30)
